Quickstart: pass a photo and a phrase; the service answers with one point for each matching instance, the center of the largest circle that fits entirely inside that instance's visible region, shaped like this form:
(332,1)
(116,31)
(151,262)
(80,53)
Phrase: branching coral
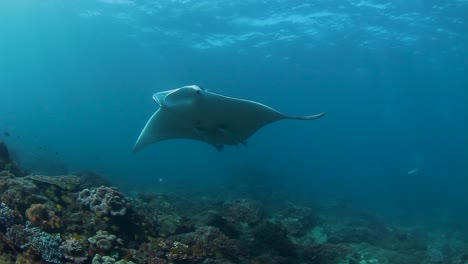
(7,217)
(44,244)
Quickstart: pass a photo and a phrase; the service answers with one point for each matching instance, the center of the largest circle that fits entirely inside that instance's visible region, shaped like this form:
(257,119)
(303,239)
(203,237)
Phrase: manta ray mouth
(156,100)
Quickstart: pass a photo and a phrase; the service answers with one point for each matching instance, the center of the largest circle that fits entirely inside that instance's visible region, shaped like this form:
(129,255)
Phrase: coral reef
(98,259)
(297,219)
(80,219)
(44,218)
(272,237)
(41,243)
(243,210)
(328,254)
(49,222)
(102,241)
(105,200)
(7,217)
(74,250)
(208,240)
(89,179)
(18,192)
(67,182)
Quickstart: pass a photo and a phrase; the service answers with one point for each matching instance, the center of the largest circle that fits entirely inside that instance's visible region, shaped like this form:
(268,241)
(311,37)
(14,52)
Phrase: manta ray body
(191,112)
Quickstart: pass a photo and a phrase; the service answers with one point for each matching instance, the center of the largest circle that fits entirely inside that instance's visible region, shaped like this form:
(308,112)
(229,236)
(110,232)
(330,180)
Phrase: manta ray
(191,112)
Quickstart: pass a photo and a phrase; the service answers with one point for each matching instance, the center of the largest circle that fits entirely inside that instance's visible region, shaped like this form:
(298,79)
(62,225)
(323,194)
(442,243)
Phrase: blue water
(76,80)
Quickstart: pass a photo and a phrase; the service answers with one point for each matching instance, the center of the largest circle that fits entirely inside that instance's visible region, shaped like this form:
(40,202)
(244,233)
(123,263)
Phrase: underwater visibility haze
(77,80)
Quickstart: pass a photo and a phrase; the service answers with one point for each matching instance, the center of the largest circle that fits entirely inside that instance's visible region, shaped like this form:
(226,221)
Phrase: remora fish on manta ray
(191,112)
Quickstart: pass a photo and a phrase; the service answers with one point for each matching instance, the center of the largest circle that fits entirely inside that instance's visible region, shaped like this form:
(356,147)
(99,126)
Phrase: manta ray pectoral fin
(222,129)
(201,133)
(309,117)
(152,132)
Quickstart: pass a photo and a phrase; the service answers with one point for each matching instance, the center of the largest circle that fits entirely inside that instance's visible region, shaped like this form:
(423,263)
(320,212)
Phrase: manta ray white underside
(191,112)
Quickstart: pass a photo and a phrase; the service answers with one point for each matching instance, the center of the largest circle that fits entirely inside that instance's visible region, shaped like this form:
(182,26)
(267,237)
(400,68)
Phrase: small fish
(411,172)
(6,134)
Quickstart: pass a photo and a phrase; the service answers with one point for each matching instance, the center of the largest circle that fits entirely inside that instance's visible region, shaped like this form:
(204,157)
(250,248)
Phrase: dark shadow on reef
(6,161)
(82,219)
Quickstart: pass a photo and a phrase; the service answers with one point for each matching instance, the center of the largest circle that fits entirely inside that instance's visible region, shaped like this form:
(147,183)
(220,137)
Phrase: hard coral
(243,210)
(169,224)
(74,251)
(208,241)
(217,261)
(18,192)
(157,260)
(213,218)
(151,252)
(435,255)
(273,236)
(298,219)
(105,200)
(103,241)
(183,252)
(7,217)
(43,244)
(43,217)
(161,250)
(326,253)
(90,179)
(66,182)
(98,259)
